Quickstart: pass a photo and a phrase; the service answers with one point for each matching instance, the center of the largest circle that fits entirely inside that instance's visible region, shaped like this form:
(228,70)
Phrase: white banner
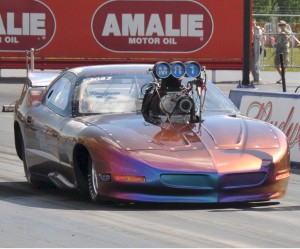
(281,112)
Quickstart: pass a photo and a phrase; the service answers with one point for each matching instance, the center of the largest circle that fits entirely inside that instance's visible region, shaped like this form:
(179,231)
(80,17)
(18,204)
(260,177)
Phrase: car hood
(219,140)
(132,132)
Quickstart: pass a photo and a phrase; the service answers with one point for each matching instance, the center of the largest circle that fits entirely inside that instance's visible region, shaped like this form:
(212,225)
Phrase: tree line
(288,10)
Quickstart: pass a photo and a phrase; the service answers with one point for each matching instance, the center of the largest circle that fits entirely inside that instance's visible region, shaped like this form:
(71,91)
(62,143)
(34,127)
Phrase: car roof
(111,69)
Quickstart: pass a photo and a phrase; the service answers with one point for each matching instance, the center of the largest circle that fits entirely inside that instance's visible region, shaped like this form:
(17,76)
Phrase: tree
(278,7)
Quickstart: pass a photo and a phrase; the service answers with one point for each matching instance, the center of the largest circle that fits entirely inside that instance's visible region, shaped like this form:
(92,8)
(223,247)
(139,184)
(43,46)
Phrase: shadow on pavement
(21,193)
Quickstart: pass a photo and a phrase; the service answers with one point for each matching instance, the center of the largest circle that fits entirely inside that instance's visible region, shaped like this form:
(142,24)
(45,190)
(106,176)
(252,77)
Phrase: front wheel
(93,182)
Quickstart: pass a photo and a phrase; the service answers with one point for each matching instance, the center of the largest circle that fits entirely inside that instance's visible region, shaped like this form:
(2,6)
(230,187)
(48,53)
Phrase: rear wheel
(35,183)
(93,182)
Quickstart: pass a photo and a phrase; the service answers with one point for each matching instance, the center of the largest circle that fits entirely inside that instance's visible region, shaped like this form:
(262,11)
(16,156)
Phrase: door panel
(44,123)
(41,140)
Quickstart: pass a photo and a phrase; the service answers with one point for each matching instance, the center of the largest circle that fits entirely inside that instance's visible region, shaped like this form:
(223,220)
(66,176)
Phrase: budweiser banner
(282,112)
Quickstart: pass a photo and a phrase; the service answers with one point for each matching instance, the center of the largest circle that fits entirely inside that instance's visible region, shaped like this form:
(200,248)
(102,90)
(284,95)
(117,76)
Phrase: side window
(58,97)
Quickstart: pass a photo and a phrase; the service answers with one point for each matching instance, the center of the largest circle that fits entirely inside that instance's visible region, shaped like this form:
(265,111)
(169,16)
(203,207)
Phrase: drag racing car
(146,133)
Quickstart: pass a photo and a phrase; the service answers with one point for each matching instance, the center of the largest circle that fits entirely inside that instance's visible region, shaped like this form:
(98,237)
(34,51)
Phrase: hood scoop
(145,136)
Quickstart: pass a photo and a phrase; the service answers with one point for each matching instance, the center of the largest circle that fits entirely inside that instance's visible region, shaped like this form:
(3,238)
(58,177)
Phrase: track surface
(53,218)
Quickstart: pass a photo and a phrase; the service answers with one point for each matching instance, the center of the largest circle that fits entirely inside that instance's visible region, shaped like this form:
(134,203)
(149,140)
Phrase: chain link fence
(269,37)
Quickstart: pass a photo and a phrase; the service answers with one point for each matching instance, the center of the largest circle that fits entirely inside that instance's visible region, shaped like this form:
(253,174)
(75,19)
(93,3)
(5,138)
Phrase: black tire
(34,182)
(93,182)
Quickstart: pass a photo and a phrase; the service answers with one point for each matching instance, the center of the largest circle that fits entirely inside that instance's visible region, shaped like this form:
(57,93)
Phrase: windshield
(215,100)
(112,93)
(117,93)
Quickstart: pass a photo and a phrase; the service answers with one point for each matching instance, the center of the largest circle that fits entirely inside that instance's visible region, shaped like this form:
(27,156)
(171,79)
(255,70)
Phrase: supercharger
(168,100)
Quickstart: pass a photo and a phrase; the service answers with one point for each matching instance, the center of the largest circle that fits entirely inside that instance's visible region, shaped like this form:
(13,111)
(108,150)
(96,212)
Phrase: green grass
(267,63)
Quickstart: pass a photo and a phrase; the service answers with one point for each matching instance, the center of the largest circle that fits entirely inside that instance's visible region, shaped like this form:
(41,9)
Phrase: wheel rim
(94,179)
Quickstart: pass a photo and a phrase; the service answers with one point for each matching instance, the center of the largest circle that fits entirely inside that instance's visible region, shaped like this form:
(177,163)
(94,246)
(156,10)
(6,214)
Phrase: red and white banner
(77,32)
(22,26)
(279,111)
(178,26)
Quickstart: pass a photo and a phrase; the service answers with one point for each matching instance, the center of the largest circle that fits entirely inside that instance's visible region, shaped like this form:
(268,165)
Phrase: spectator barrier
(279,109)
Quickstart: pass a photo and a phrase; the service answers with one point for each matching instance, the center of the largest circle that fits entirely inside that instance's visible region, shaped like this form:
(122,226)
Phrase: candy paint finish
(226,158)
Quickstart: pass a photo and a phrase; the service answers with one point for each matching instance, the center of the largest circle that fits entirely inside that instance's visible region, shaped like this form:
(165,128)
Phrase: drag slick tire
(34,182)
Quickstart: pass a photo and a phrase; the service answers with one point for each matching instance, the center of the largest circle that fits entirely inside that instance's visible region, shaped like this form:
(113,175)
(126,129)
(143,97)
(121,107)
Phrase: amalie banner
(66,33)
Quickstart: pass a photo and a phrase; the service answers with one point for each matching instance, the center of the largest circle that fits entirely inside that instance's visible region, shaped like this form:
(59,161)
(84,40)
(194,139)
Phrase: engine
(176,103)
(168,100)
